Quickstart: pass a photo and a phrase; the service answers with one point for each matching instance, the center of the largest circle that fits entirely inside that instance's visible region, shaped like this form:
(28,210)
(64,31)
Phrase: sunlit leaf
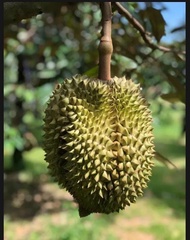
(47,74)
(19,91)
(28,118)
(62,63)
(124,61)
(28,95)
(8,89)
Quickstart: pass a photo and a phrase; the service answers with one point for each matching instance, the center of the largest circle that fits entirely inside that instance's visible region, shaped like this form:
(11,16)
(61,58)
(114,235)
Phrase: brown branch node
(105,46)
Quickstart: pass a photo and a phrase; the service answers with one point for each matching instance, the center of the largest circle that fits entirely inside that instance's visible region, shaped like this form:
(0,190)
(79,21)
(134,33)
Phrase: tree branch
(136,24)
(14,12)
(105,47)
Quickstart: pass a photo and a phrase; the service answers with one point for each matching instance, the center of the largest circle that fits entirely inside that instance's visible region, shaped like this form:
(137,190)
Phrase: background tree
(44,43)
(57,45)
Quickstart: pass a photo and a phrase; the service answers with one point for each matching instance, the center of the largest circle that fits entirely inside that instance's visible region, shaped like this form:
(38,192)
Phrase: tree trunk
(17,160)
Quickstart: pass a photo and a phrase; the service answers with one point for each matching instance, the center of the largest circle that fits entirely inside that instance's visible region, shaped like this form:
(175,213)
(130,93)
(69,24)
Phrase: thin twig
(136,24)
(105,47)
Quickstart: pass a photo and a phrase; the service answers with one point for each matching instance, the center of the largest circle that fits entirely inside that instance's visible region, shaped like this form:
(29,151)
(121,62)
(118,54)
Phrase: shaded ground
(33,205)
(25,200)
(28,202)
(35,208)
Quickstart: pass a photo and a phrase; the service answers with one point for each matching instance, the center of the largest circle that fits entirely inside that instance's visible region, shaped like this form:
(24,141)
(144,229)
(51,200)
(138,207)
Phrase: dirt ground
(30,200)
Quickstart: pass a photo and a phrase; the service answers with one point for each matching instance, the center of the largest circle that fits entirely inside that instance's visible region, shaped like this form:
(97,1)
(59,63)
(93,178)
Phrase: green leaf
(179,88)
(156,20)
(123,61)
(164,160)
(171,97)
(29,118)
(62,63)
(180,28)
(13,43)
(13,138)
(19,91)
(45,74)
(93,72)
(29,95)
(8,89)
(8,145)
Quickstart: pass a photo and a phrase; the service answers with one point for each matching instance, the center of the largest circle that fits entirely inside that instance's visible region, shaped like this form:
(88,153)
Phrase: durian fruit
(99,142)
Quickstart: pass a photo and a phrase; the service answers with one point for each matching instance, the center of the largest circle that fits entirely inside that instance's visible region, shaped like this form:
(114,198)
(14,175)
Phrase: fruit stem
(105,46)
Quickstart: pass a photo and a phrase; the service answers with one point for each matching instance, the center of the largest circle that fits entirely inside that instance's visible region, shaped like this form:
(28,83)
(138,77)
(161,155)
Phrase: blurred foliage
(61,44)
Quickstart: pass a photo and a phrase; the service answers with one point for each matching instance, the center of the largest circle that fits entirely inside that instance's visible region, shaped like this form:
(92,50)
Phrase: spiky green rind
(98,142)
